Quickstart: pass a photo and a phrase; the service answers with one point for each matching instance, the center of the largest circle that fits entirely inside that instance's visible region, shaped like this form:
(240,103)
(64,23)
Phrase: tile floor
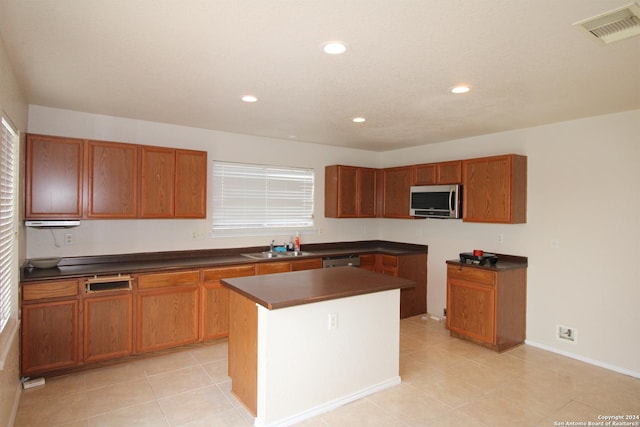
(445,382)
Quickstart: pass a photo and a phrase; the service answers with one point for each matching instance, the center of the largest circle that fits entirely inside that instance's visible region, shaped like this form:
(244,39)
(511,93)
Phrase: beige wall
(583,178)
(14,106)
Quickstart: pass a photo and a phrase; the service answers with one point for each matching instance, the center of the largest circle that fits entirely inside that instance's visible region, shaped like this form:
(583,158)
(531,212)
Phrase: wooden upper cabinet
(173,183)
(495,189)
(191,184)
(426,174)
(396,187)
(157,188)
(54,177)
(75,178)
(449,172)
(349,192)
(112,179)
(439,173)
(367,192)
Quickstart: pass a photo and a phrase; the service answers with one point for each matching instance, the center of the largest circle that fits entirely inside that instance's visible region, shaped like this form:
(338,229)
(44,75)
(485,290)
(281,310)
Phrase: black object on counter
(470,258)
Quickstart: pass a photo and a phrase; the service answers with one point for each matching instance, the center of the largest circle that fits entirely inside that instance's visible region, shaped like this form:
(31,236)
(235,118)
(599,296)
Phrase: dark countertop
(505,262)
(75,267)
(274,291)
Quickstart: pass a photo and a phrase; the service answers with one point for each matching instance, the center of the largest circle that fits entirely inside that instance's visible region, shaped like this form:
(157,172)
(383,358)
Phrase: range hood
(52,223)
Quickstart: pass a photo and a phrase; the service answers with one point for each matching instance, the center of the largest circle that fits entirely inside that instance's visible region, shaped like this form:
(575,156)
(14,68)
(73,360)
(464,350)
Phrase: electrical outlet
(333,321)
(68,239)
(555,243)
(500,238)
(566,333)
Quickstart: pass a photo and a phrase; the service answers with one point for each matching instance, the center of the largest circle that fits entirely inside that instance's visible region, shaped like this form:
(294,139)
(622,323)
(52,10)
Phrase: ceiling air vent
(614,25)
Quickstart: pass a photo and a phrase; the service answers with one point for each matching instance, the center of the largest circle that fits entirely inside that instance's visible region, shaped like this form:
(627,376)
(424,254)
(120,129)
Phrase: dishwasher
(341,261)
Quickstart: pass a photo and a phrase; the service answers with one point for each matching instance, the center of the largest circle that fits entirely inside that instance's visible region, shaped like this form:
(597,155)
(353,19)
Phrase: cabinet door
(113,180)
(426,174)
(215,299)
(54,177)
(191,184)
(439,173)
(157,186)
(471,309)
(340,191)
(366,180)
(396,187)
(167,310)
(50,336)
(167,317)
(413,301)
(495,189)
(449,172)
(108,327)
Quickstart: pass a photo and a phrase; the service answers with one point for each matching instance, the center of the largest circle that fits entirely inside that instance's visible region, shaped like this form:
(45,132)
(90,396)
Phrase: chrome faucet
(273,242)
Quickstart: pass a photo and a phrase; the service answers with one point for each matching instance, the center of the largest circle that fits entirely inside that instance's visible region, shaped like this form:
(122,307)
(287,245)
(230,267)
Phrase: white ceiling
(189,62)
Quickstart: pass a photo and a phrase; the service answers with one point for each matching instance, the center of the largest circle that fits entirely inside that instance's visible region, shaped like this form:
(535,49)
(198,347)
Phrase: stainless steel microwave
(436,201)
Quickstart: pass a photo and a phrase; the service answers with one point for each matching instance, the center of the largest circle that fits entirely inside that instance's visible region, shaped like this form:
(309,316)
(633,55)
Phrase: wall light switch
(333,321)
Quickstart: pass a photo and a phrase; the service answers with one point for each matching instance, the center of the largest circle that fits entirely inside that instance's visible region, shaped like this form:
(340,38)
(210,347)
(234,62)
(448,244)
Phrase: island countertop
(274,291)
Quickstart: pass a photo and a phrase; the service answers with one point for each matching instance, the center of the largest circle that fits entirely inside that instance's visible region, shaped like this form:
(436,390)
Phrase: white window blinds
(247,196)
(8,220)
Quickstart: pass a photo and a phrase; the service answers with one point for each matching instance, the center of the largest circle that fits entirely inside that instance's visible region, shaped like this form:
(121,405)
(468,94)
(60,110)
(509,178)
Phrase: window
(8,221)
(247,196)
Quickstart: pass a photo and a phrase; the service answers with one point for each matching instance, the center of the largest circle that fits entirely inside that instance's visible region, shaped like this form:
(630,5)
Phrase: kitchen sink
(272,254)
(294,253)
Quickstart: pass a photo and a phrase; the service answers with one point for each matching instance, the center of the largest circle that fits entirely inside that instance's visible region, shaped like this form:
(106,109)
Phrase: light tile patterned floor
(446,382)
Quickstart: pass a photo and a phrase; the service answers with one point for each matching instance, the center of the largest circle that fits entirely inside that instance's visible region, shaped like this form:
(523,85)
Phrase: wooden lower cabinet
(168,310)
(215,299)
(108,327)
(413,301)
(64,327)
(487,307)
(50,336)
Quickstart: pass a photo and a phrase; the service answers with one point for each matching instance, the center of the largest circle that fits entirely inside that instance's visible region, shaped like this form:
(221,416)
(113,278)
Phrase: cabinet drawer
(367,260)
(38,291)
(389,261)
(306,264)
(168,279)
(273,267)
(217,274)
(471,274)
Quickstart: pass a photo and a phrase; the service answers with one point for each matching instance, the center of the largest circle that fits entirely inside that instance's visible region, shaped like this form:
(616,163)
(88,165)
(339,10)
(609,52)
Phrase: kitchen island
(306,342)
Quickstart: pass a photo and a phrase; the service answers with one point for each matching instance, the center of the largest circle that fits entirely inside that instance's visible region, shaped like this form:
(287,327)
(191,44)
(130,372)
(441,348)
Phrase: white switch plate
(333,321)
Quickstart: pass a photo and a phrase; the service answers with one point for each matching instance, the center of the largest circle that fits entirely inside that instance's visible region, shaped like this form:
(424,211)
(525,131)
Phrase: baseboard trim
(329,406)
(599,363)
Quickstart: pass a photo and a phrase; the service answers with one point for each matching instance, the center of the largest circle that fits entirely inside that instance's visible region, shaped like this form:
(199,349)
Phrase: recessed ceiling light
(249,98)
(460,89)
(334,47)
(358,120)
